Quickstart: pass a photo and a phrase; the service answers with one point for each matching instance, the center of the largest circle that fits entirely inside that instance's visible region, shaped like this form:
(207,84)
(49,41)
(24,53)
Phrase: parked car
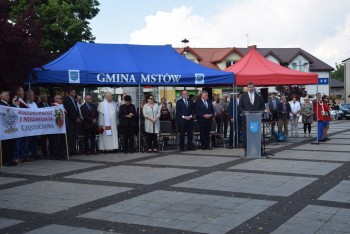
(346,112)
(337,114)
(346,105)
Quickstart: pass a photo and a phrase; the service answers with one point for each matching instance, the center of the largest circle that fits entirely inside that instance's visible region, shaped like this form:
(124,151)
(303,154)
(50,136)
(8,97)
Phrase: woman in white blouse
(151,112)
(294,114)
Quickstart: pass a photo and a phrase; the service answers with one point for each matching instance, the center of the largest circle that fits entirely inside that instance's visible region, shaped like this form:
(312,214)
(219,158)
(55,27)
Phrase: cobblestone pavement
(303,188)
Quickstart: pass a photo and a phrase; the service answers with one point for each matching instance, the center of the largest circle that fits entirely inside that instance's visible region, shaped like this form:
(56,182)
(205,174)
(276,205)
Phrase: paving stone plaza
(303,188)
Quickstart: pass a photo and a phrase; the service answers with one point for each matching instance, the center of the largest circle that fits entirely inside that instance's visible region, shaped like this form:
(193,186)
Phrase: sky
(321,27)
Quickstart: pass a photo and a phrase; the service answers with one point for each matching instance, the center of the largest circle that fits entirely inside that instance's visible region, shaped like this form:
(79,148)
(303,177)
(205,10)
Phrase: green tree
(64,22)
(289,90)
(338,73)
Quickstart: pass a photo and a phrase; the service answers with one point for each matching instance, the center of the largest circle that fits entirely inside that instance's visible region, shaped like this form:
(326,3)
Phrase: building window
(294,66)
(230,63)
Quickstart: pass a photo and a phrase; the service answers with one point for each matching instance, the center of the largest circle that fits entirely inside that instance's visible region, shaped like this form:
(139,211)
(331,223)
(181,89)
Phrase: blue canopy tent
(127,65)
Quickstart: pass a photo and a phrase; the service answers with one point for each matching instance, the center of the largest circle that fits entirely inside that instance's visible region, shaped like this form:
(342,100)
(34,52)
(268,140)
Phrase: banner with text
(22,122)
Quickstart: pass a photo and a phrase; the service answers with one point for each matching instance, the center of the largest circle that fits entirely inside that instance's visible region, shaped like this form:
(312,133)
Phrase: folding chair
(196,133)
(214,133)
(166,131)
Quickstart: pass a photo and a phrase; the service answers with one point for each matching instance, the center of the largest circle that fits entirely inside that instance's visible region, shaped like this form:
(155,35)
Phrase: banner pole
(1,158)
(67,146)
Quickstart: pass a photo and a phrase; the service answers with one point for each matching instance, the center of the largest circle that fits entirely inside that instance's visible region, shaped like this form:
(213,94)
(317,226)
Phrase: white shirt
(295,107)
(251,97)
(32,105)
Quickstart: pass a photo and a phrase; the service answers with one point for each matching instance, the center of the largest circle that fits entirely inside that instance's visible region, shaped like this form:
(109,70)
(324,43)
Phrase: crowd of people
(112,121)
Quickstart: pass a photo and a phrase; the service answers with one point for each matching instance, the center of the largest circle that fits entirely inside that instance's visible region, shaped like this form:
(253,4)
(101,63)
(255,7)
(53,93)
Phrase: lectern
(253,134)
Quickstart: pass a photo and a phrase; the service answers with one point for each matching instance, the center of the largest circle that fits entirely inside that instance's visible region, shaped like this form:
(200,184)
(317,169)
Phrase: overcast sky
(321,27)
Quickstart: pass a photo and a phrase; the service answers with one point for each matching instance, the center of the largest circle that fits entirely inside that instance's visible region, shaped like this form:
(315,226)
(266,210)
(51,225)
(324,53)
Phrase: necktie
(88,106)
(206,104)
(75,104)
(186,103)
(45,104)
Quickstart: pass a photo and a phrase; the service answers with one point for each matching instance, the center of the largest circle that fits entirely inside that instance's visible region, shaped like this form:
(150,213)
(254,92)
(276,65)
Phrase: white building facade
(347,80)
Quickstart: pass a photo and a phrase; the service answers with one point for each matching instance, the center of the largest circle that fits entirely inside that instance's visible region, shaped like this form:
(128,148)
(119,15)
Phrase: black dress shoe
(203,148)
(191,148)
(209,148)
(181,149)
(230,147)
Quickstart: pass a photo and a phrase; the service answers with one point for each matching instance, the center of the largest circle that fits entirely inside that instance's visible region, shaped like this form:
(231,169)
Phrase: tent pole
(236,117)
(140,118)
(317,112)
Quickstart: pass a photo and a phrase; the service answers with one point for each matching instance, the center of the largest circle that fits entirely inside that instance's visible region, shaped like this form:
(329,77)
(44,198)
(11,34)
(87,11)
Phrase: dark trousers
(218,124)
(128,133)
(308,127)
(235,130)
(32,146)
(90,137)
(273,117)
(186,126)
(8,148)
(204,128)
(152,140)
(59,146)
(225,121)
(21,148)
(45,144)
(72,134)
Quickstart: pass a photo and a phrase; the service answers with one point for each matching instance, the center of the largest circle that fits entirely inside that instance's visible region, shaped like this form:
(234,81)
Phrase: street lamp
(185,42)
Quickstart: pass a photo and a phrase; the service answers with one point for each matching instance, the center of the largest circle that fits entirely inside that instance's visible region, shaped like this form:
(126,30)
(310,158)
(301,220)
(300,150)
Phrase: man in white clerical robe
(107,124)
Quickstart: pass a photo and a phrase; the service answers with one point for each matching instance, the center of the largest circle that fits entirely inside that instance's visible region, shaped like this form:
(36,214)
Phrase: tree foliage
(64,21)
(32,32)
(338,73)
(289,90)
(20,47)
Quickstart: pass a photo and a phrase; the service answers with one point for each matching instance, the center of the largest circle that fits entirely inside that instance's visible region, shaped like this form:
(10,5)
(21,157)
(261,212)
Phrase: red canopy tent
(253,67)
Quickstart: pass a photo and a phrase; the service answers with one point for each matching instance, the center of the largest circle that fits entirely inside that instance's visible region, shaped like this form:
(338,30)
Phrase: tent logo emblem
(253,126)
(199,78)
(74,76)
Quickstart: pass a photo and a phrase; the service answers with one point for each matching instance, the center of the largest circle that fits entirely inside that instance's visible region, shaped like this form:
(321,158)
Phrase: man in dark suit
(185,110)
(21,153)
(273,106)
(8,146)
(235,122)
(45,138)
(128,123)
(205,113)
(71,106)
(90,117)
(250,101)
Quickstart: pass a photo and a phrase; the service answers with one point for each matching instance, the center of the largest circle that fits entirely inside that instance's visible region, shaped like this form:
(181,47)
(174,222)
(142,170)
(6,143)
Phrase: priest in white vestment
(107,124)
